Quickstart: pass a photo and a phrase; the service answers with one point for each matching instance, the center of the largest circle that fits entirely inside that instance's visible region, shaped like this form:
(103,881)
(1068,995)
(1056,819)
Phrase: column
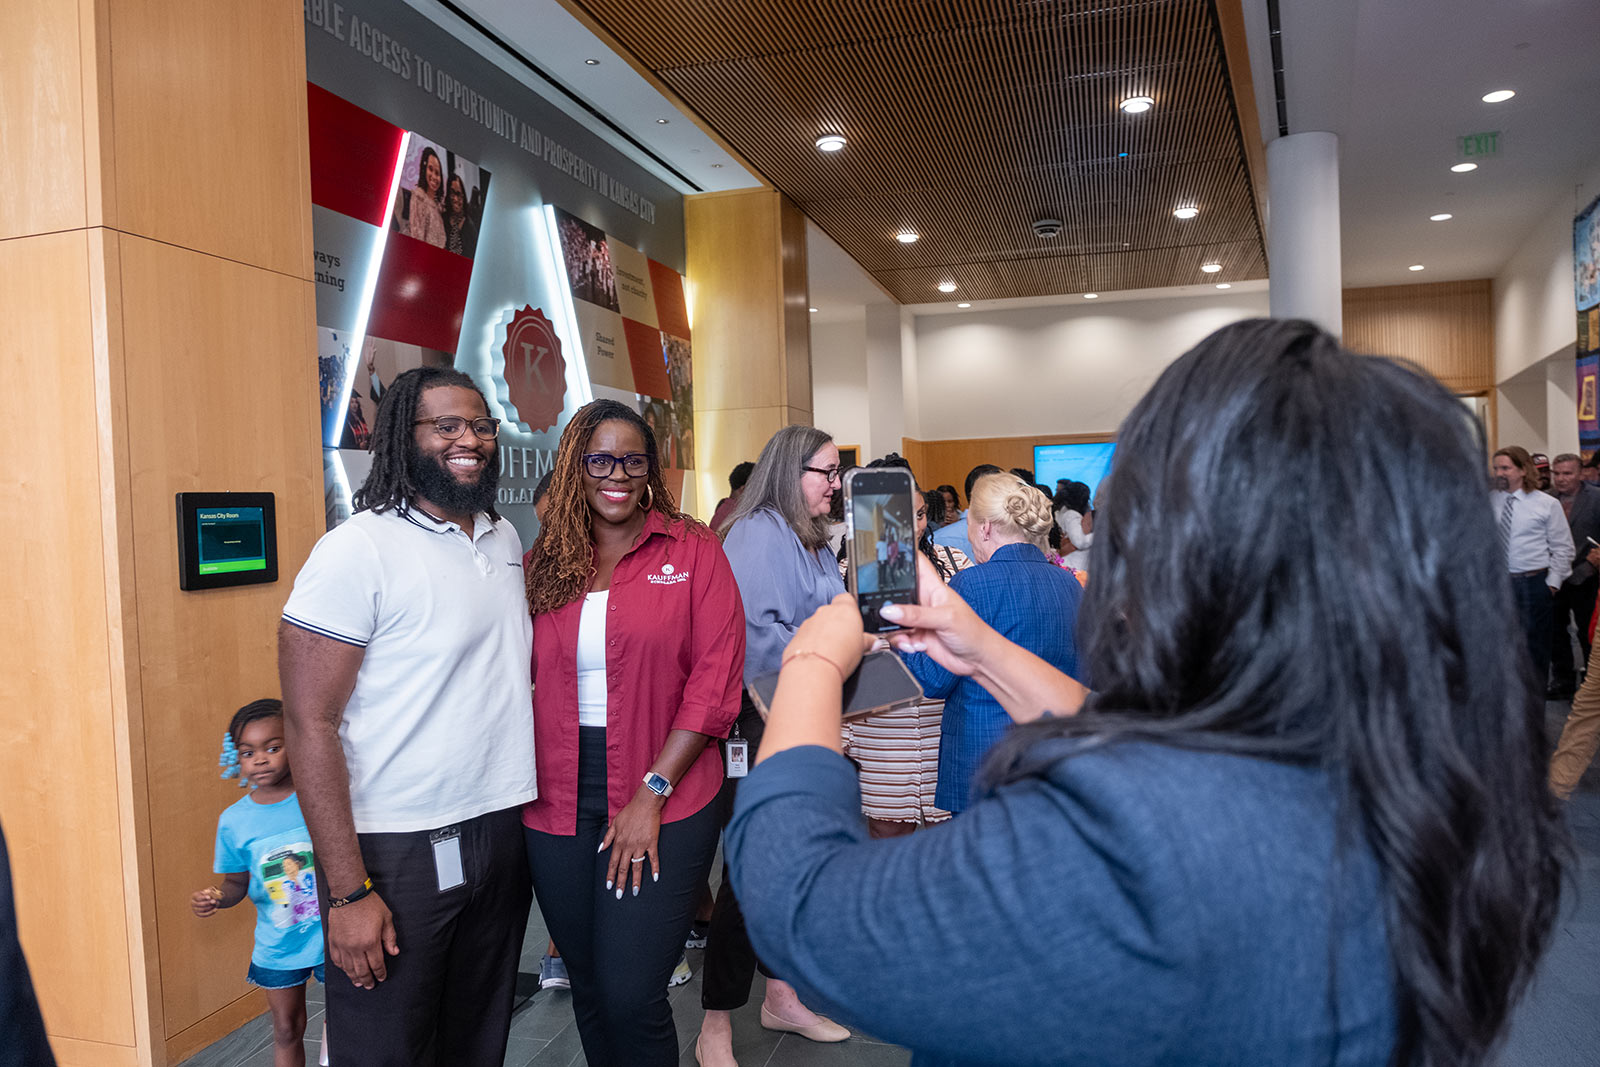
(157,330)
(1303,229)
(752,340)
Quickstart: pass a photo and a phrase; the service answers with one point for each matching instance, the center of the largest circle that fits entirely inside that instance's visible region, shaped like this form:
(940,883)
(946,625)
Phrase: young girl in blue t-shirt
(264,850)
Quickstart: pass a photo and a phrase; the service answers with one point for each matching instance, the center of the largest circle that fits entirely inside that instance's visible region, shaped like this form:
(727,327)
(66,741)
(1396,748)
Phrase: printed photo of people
(588,262)
(333,360)
(663,422)
(680,374)
(381,362)
(441,198)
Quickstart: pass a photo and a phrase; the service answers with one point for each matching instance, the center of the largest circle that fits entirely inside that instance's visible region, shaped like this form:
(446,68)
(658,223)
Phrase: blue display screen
(1087,463)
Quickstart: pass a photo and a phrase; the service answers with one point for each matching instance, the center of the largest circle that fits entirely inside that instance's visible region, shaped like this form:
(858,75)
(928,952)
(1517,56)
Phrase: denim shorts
(267,978)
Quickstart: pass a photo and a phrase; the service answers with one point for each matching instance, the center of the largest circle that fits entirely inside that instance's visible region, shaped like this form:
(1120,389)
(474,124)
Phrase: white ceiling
(1399,81)
(840,288)
(547,35)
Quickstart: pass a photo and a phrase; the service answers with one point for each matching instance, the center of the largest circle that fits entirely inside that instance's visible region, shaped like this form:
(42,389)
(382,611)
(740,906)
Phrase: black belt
(1540,573)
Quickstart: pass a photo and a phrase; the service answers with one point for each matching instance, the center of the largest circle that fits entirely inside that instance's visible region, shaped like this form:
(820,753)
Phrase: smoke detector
(1047,227)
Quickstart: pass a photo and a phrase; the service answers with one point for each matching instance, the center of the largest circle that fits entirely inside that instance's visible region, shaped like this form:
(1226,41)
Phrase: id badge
(447,858)
(738,758)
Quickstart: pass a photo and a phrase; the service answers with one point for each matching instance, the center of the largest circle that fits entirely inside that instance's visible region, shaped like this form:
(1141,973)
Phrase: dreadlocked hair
(561,563)
(390,482)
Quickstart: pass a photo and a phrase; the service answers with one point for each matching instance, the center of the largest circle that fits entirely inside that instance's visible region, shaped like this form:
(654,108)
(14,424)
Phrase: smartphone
(880,683)
(881,523)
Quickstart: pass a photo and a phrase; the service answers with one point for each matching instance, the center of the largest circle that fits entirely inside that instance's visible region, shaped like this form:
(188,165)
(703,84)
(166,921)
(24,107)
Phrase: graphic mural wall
(1586,286)
(462,220)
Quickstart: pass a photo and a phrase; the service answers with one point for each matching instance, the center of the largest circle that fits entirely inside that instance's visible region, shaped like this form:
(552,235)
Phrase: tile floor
(1558,1025)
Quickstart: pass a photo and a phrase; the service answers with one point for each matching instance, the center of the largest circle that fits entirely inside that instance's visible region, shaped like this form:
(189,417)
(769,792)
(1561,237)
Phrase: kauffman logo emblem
(669,576)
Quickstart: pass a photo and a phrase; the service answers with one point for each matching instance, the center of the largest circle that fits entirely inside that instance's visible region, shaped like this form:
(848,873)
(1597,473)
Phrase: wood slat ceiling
(969,119)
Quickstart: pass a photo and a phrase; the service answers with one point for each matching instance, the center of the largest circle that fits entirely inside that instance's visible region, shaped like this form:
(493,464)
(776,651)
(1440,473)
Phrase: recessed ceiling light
(963,305)
(812,310)
(716,166)
(1440,217)
(947,287)
(1091,296)
(907,237)
(1211,268)
(1224,285)
(1186,213)
(1135,104)
(1462,168)
(591,62)
(1415,266)
(830,142)
(1122,155)
(663,122)
(1499,96)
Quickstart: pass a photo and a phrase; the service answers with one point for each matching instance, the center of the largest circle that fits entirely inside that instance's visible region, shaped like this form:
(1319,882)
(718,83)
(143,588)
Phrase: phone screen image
(883,542)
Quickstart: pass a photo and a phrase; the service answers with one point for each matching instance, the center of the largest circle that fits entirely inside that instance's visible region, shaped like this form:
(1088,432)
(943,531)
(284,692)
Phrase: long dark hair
(1347,609)
(390,481)
(561,564)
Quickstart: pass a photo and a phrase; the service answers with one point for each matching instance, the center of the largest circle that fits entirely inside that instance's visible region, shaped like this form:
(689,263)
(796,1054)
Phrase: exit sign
(1478,145)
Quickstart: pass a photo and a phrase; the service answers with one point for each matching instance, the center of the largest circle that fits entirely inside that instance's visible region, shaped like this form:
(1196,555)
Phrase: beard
(1502,483)
(437,483)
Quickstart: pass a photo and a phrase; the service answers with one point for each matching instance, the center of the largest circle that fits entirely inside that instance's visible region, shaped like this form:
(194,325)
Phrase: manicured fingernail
(890,611)
(635,890)
(608,886)
(602,847)
(619,892)
(656,877)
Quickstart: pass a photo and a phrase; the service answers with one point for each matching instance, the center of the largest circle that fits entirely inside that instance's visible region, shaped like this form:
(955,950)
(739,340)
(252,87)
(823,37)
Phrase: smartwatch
(657,784)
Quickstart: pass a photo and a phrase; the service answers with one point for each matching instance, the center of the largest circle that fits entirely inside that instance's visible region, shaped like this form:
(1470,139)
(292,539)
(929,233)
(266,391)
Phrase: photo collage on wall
(420,292)
(634,326)
(1586,289)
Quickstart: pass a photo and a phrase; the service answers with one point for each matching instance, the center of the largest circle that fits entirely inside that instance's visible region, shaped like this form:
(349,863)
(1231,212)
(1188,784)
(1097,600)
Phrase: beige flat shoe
(726,1060)
(823,1030)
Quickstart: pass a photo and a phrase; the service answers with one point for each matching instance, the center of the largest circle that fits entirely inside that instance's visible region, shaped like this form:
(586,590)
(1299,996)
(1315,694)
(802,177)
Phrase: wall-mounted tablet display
(226,539)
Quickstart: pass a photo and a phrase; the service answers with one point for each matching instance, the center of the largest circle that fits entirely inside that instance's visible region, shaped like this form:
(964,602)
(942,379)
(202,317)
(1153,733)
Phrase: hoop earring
(649,500)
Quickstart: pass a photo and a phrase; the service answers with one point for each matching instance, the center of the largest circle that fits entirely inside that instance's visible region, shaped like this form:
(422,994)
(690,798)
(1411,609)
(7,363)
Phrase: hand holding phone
(880,516)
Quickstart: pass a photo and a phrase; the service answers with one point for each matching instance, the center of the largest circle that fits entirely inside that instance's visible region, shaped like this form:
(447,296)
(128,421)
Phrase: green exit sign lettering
(1478,145)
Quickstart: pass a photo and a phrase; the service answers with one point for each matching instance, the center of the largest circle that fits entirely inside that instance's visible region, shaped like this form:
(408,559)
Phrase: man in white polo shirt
(404,659)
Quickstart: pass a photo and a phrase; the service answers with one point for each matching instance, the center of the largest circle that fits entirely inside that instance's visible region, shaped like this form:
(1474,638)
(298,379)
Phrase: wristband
(339,902)
(808,652)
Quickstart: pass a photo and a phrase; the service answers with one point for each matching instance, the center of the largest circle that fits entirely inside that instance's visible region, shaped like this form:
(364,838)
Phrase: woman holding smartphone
(777,543)
(1296,822)
(637,656)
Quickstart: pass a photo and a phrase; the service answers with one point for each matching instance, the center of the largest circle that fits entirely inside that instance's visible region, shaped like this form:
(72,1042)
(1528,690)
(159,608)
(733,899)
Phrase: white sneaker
(681,973)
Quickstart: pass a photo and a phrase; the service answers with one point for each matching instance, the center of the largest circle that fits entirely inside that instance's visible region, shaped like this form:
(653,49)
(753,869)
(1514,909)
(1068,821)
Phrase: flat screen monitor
(226,539)
(1088,463)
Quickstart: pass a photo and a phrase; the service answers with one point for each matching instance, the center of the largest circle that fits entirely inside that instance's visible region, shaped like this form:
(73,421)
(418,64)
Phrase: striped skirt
(898,753)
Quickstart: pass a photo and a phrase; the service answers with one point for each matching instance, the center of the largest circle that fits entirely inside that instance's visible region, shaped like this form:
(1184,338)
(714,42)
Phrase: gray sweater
(1136,905)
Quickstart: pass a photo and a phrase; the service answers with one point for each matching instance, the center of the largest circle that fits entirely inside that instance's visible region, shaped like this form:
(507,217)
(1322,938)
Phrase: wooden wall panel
(947,462)
(1447,327)
(58,787)
(41,120)
(210,125)
(219,363)
(752,344)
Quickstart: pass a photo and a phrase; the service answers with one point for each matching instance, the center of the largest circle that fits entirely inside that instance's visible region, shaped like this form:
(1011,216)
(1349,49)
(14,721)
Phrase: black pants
(1534,609)
(447,999)
(1575,603)
(620,953)
(731,963)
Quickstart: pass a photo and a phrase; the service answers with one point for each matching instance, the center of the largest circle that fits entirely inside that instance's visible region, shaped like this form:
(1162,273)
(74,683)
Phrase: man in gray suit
(1575,600)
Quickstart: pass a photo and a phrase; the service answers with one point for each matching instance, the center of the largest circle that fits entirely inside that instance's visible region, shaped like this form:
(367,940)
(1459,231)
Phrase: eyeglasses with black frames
(833,474)
(451,427)
(602,464)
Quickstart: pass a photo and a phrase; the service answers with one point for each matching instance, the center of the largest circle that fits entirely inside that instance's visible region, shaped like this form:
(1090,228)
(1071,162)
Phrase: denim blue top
(1134,905)
(1033,603)
(780,583)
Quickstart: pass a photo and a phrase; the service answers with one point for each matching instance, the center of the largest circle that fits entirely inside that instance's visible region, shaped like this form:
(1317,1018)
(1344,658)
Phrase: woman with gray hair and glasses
(777,543)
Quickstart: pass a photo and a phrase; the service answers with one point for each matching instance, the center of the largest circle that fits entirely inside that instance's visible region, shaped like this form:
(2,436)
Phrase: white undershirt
(592,659)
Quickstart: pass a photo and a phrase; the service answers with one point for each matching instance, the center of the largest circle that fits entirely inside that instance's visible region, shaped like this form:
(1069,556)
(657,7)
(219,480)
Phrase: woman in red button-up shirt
(638,656)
